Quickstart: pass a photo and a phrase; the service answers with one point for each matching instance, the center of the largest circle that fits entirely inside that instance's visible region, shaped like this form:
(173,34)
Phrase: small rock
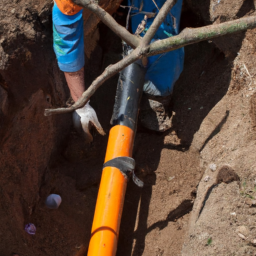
(207,178)
(250,201)
(13,11)
(253,202)
(233,214)
(243,231)
(30,228)
(203,236)
(241,236)
(171,178)
(253,241)
(53,201)
(213,167)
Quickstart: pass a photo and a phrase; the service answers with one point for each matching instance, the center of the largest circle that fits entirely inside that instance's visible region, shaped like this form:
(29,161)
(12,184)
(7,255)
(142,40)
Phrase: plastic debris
(30,228)
(53,201)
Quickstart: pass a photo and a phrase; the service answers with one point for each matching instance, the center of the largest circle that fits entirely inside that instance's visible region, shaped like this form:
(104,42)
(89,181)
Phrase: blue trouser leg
(162,70)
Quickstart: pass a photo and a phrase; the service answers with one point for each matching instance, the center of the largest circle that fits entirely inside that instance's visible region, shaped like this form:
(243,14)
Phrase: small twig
(127,18)
(249,76)
(247,71)
(126,6)
(155,4)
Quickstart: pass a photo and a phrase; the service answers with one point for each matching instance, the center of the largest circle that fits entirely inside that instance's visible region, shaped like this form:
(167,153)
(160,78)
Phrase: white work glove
(84,118)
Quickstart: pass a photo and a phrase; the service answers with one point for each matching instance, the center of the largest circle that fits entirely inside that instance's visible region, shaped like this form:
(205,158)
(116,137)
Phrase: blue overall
(163,70)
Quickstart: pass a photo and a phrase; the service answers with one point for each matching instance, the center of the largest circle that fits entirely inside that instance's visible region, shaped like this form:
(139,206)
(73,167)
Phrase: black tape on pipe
(128,95)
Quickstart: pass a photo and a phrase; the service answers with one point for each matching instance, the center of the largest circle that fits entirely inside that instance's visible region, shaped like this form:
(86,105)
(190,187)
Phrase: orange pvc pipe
(109,206)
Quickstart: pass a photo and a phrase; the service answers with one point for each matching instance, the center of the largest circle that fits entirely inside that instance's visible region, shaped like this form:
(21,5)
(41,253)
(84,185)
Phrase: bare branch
(108,20)
(113,69)
(194,35)
(186,37)
(108,72)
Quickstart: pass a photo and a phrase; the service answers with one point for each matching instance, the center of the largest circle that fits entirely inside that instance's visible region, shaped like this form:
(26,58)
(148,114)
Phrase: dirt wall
(222,218)
(30,81)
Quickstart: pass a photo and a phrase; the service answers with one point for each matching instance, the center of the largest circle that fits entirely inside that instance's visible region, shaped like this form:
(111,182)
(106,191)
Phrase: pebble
(53,201)
(242,232)
(233,213)
(250,201)
(207,178)
(213,167)
(241,236)
(254,242)
(171,178)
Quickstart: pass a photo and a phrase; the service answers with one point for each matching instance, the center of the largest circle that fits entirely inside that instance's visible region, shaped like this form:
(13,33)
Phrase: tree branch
(158,21)
(186,37)
(194,35)
(113,69)
(108,20)
(108,72)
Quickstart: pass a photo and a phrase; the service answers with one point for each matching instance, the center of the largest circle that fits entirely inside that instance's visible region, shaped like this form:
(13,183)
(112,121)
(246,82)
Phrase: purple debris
(30,228)
(53,201)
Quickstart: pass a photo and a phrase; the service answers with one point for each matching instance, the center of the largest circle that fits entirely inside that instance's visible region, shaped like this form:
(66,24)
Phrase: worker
(162,70)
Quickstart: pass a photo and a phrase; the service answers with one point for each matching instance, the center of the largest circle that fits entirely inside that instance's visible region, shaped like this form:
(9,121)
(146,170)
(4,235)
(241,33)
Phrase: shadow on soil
(203,83)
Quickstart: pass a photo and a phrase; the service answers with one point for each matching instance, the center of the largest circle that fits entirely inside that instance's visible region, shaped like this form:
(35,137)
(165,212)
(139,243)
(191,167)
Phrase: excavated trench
(42,155)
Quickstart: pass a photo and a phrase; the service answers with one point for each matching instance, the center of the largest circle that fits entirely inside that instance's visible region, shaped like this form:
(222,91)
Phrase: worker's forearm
(75,81)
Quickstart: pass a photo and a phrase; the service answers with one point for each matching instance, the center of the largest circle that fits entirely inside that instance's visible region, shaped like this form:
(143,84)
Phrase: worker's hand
(84,118)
